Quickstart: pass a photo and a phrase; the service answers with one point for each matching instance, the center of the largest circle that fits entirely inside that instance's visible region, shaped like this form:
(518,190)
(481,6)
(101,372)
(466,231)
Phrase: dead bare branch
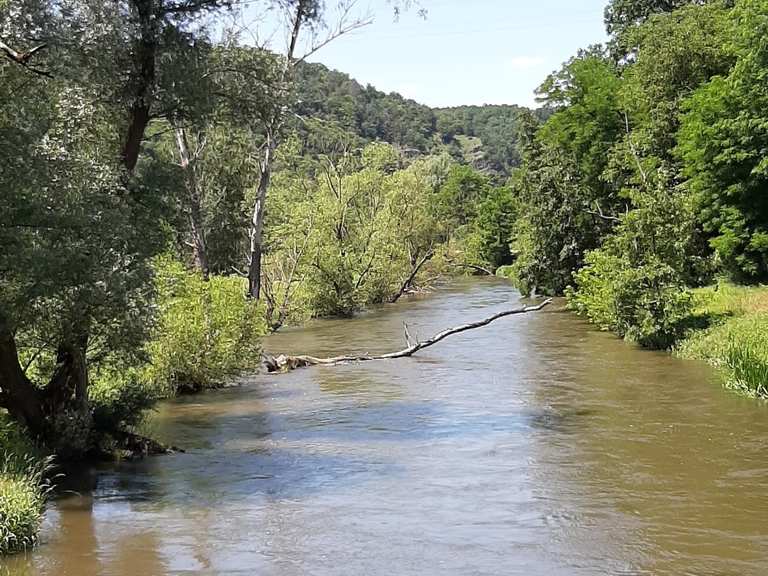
(345,24)
(283,363)
(599,213)
(474,267)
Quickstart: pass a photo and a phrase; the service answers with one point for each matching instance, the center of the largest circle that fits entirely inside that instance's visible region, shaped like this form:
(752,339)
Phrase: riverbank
(733,336)
(23,488)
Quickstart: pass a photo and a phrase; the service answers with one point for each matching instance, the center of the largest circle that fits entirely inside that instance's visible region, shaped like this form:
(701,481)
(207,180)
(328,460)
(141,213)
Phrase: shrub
(206,331)
(646,304)
(120,396)
(12,438)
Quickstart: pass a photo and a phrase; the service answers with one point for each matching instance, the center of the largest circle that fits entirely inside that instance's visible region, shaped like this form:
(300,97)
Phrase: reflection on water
(533,446)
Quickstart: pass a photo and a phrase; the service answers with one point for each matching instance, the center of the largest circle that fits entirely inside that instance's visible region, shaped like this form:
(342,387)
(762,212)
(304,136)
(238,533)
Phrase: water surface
(533,446)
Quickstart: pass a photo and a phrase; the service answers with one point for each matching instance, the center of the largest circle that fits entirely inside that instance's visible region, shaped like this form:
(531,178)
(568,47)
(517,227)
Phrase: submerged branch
(283,363)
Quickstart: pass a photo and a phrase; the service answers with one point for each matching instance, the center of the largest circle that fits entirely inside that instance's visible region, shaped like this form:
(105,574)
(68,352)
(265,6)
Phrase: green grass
(24,488)
(736,339)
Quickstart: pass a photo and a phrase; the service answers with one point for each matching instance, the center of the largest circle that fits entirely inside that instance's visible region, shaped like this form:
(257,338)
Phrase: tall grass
(24,488)
(747,363)
(736,340)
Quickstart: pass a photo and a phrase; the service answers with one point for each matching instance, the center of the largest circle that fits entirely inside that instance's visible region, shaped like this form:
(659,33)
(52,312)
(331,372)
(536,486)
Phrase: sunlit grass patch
(737,338)
(24,488)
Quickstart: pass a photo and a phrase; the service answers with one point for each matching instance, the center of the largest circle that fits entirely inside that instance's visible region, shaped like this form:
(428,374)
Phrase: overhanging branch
(24,58)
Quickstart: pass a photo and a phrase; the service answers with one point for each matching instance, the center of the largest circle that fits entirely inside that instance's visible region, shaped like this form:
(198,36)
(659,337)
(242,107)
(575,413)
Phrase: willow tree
(77,226)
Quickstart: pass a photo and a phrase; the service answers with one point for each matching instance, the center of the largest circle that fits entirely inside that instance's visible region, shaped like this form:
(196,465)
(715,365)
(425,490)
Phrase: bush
(646,304)
(120,397)
(12,438)
(206,332)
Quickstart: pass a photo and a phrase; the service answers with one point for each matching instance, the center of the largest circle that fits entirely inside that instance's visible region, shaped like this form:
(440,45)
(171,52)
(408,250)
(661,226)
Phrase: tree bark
(273,127)
(409,281)
(68,387)
(142,82)
(194,196)
(284,363)
(256,233)
(18,394)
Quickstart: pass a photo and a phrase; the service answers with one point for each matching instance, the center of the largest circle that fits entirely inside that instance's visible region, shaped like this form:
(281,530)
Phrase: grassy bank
(23,489)
(735,336)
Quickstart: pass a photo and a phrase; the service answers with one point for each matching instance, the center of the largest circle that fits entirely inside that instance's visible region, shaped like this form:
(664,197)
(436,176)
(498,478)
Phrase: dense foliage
(23,488)
(648,177)
(129,134)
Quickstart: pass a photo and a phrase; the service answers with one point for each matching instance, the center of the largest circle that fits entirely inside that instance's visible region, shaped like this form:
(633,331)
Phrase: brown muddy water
(533,446)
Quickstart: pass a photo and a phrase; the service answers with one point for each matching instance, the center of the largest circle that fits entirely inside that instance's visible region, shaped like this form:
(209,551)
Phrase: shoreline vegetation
(733,337)
(162,213)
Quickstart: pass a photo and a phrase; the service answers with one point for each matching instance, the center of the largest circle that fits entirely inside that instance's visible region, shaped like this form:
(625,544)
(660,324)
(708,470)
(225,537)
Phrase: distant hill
(484,136)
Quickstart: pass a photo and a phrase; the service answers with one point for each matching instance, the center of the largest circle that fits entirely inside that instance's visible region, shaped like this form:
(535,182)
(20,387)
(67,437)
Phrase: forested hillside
(484,136)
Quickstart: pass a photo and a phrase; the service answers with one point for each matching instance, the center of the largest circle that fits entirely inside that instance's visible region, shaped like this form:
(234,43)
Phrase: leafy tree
(566,204)
(722,142)
(494,227)
(621,16)
(75,260)
(636,283)
(675,54)
(586,122)
(460,195)
(554,229)
(79,227)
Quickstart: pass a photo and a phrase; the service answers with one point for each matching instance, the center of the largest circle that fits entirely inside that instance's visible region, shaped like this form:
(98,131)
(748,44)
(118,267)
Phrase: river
(536,445)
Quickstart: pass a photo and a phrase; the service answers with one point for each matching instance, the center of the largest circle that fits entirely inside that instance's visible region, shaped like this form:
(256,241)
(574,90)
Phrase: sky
(466,51)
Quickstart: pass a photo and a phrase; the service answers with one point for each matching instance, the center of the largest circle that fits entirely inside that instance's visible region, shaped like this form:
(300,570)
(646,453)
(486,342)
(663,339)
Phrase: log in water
(533,446)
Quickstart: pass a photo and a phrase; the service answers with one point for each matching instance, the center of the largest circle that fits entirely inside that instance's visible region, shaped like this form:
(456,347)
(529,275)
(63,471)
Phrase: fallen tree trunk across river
(285,363)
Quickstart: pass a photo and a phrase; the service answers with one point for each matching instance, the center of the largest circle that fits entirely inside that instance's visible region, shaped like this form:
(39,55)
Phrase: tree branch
(602,215)
(23,58)
(409,281)
(474,267)
(344,26)
(283,363)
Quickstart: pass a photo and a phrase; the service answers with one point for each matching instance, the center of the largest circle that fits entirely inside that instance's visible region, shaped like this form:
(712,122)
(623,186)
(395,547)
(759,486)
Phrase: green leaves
(722,143)
(206,331)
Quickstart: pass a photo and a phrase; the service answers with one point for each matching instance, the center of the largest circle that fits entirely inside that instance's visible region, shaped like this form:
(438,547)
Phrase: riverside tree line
(170,193)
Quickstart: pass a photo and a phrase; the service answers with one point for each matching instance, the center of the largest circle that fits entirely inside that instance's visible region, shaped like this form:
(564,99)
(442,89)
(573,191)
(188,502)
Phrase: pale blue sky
(467,51)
